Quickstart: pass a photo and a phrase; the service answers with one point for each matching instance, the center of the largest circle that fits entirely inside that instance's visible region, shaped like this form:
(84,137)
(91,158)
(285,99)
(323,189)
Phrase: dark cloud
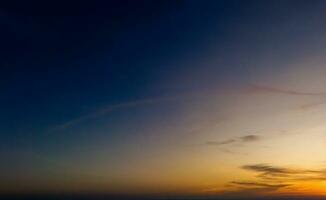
(280,174)
(273,172)
(267,169)
(221,142)
(250,138)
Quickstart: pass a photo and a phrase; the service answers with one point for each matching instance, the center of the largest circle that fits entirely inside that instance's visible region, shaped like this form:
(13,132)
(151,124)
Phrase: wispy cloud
(225,145)
(236,140)
(111,108)
(311,105)
(218,143)
(270,89)
(262,89)
(130,104)
(250,89)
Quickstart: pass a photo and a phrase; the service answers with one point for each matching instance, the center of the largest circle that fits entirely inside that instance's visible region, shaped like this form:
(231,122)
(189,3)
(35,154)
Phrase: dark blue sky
(61,61)
(66,66)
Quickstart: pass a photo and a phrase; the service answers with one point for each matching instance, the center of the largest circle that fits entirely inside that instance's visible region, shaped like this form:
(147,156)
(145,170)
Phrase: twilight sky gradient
(224,98)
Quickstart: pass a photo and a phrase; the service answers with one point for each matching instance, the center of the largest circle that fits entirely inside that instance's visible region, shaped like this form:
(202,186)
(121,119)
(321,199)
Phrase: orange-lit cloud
(275,179)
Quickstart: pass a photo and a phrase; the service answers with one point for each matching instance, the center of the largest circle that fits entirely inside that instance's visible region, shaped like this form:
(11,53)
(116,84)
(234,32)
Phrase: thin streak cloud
(311,105)
(274,90)
(251,89)
(216,143)
(111,108)
(147,101)
(237,140)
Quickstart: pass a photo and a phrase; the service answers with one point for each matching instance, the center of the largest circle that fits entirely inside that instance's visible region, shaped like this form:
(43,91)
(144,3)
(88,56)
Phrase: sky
(208,98)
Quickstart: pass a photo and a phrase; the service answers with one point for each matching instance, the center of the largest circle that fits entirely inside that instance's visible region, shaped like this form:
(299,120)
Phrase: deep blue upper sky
(59,60)
(64,62)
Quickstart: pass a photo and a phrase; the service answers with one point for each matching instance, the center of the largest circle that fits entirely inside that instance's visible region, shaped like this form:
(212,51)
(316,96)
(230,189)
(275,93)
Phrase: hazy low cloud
(259,184)
(249,188)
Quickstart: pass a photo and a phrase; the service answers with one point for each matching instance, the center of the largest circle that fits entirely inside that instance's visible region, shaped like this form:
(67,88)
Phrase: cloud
(237,140)
(261,89)
(259,184)
(225,145)
(251,89)
(267,169)
(125,105)
(242,189)
(250,138)
(217,143)
(111,108)
(269,178)
(269,89)
(274,173)
(255,188)
(311,105)
(269,172)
